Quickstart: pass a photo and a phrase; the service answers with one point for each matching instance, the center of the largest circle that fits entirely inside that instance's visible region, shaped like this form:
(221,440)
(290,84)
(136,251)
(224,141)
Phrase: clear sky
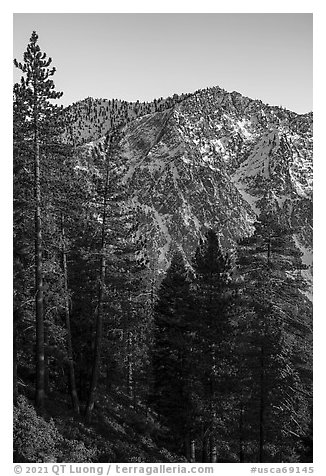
(134,56)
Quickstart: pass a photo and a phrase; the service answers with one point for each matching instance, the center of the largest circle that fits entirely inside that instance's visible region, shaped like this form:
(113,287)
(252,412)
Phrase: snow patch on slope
(307,259)
(307,255)
(161,223)
(248,198)
(258,162)
(242,127)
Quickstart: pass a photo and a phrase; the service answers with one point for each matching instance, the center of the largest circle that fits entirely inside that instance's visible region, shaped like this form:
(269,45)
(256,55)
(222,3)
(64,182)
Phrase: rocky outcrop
(217,159)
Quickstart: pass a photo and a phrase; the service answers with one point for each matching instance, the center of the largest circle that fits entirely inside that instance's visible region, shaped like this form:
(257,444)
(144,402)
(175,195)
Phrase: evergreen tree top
(34,94)
(177,271)
(36,67)
(209,258)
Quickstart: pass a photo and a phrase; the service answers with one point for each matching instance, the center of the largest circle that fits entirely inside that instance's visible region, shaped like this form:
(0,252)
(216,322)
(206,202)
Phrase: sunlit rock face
(216,160)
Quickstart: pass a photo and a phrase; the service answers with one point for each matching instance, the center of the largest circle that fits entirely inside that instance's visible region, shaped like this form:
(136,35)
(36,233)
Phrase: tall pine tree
(214,301)
(40,122)
(173,357)
(106,153)
(273,338)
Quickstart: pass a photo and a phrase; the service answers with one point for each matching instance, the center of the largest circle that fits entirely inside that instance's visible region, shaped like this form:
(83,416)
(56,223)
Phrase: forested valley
(115,360)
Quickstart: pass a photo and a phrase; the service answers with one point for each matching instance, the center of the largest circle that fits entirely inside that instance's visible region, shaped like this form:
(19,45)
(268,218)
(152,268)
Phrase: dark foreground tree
(172,355)
(107,192)
(273,342)
(41,126)
(63,189)
(214,304)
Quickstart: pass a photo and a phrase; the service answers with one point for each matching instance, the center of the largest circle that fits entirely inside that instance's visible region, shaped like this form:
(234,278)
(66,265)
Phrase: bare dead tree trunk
(71,367)
(46,358)
(261,408)
(213,451)
(241,455)
(269,249)
(130,369)
(98,342)
(15,380)
(192,451)
(189,448)
(212,442)
(99,317)
(40,363)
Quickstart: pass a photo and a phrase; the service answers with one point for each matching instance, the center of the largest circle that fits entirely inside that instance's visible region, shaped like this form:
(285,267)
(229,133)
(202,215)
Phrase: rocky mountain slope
(217,159)
(90,119)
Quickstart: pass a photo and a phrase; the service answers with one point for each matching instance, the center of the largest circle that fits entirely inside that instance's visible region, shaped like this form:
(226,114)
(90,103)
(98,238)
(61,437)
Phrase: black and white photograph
(162,238)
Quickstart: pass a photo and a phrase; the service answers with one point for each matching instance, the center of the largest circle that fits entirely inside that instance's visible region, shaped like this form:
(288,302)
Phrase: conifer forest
(162,281)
